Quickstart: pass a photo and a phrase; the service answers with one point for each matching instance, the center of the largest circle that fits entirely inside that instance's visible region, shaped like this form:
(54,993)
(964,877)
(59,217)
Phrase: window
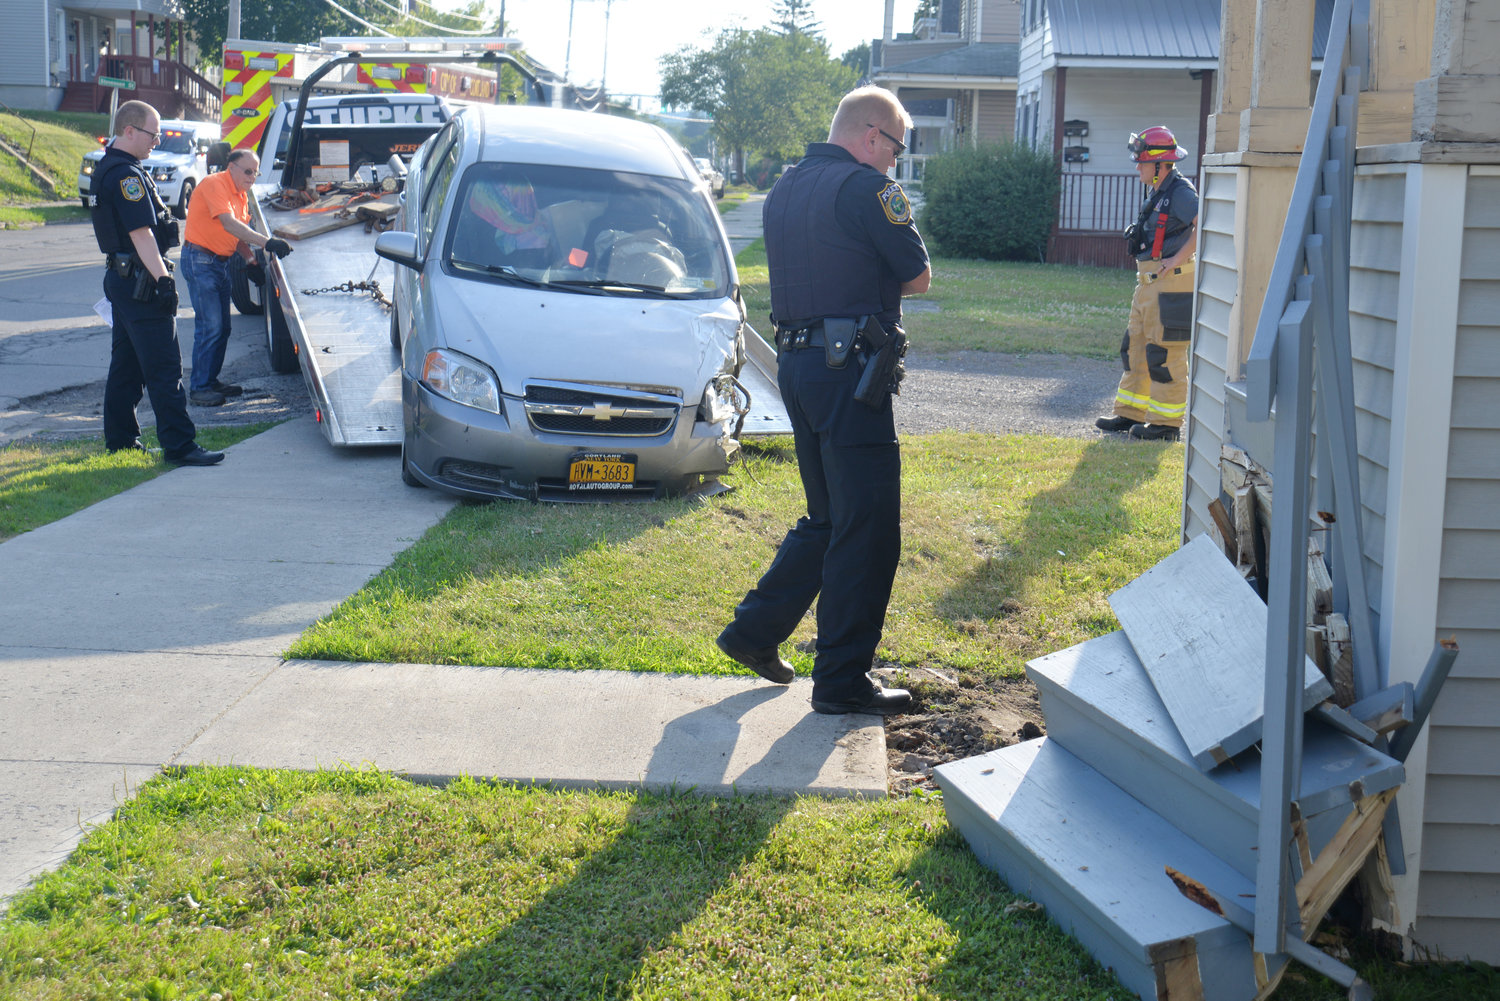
(441,164)
(579,229)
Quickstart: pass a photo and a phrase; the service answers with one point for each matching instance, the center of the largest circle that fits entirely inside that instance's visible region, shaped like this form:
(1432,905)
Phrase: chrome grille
(565,410)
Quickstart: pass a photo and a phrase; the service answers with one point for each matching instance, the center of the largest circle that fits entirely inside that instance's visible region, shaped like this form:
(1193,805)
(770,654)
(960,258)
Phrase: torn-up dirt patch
(954,716)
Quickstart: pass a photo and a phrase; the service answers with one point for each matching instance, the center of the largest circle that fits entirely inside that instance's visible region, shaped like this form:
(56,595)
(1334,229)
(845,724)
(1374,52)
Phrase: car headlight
(88,168)
(163,173)
(459,378)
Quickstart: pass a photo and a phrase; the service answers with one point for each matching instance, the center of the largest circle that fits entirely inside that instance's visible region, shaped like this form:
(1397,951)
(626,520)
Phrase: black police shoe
(766,663)
(879,702)
(1114,423)
(226,388)
(1155,432)
(197,456)
(206,398)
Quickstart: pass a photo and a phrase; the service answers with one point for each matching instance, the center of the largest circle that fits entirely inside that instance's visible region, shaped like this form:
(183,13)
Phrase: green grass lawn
(56,143)
(43,481)
(992,306)
(1009,547)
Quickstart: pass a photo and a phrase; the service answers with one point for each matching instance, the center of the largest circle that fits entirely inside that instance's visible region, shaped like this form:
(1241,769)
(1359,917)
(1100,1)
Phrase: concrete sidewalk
(147,630)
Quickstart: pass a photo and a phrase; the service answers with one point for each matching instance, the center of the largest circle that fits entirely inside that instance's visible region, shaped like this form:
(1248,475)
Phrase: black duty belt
(794,338)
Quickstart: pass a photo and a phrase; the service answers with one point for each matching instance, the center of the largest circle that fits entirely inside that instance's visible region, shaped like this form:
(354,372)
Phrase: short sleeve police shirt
(874,206)
(128,190)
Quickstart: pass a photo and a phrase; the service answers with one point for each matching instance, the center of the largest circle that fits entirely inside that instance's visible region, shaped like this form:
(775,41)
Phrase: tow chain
(371,286)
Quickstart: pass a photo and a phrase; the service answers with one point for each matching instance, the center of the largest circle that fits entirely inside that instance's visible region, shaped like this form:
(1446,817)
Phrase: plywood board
(1200,633)
(331,214)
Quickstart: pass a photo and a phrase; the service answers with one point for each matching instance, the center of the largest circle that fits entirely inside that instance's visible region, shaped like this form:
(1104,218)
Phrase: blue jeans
(207,278)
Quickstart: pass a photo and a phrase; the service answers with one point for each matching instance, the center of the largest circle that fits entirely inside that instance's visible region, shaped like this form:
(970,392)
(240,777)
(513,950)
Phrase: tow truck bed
(343,338)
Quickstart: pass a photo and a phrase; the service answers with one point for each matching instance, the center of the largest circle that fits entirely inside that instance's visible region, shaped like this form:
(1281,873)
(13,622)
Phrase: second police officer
(134,230)
(842,250)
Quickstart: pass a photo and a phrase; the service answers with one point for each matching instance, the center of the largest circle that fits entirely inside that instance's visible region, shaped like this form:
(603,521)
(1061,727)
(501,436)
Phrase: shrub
(995,201)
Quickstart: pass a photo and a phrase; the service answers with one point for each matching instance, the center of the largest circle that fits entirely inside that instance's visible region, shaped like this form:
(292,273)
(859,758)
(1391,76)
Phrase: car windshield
(175,141)
(591,231)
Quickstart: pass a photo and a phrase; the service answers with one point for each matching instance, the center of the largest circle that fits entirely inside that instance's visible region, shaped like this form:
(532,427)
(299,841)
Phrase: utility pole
(234,19)
(568,55)
(604,70)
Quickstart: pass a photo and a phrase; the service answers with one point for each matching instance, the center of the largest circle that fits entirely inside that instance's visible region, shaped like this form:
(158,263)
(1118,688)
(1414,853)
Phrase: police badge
(132,189)
(893,201)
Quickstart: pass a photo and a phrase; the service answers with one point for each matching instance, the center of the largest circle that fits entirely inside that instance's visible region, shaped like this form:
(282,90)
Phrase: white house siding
(23,52)
(1458,908)
(1110,100)
(1374,284)
(1215,299)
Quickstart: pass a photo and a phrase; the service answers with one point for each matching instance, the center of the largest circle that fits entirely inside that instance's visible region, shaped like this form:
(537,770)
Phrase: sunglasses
(900,146)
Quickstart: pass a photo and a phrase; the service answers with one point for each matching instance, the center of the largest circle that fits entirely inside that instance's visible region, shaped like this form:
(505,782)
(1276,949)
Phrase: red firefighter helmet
(1154,145)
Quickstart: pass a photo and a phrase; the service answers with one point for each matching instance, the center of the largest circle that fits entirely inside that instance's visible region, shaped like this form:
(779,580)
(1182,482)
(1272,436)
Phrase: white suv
(177,164)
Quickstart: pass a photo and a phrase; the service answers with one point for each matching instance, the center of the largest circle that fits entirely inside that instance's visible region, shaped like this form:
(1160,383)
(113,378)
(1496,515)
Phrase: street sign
(114,81)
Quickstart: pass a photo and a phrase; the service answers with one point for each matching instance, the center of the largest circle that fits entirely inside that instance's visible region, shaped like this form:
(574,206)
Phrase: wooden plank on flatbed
(1200,633)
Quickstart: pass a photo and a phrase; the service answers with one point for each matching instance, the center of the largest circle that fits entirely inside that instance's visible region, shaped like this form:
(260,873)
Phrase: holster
(144,288)
(884,369)
(838,339)
(124,265)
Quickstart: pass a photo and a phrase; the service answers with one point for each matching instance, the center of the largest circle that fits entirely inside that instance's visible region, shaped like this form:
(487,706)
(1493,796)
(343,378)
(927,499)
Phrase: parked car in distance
(710,173)
(177,164)
(567,311)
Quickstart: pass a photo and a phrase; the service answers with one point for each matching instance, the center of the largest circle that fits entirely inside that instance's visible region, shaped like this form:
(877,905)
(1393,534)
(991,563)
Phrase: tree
(794,17)
(764,91)
(858,59)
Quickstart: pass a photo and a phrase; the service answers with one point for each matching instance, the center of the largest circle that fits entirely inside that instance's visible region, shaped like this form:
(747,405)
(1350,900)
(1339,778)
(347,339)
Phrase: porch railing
(155,79)
(1098,203)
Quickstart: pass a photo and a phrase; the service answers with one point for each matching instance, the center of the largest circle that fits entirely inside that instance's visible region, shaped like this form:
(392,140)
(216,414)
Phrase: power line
(466,17)
(355,17)
(441,27)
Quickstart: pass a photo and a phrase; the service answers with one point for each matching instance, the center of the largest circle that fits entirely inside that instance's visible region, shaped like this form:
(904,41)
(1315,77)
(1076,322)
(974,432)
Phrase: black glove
(166,294)
(279,247)
(255,273)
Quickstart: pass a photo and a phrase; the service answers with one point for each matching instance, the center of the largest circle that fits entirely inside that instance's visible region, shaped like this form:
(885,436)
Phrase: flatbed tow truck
(325,305)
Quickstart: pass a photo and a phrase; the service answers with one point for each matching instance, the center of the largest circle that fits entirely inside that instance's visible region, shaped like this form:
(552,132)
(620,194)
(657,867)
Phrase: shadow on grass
(1017,955)
(1062,525)
(589,936)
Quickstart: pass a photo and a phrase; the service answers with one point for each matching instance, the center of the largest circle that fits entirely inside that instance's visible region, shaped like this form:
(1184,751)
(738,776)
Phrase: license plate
(601,471)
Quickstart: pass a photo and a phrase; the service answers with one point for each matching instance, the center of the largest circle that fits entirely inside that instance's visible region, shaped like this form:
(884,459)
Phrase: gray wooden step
(1200,632)
(1062,834)
(1101,705)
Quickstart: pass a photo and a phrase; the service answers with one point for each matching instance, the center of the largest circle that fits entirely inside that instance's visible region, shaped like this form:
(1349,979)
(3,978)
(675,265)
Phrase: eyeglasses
(900,146)
(155,136)
(247,171)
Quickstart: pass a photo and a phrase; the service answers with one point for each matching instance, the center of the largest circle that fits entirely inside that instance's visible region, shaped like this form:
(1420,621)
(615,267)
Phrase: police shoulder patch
(893,202)
(132,188)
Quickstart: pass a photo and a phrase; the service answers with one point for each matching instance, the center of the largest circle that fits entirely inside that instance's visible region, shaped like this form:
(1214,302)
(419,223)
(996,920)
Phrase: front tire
(406,473)
(180,211)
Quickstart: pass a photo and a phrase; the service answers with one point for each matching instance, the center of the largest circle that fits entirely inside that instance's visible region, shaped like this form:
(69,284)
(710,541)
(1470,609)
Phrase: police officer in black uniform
(134,230)
(842,251)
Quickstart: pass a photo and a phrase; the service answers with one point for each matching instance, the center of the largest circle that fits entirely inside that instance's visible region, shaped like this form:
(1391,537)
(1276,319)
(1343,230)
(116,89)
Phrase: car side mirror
(400,247)
(218,156)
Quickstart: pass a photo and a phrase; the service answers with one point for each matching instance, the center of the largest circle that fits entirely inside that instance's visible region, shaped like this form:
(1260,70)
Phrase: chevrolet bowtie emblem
(602,411)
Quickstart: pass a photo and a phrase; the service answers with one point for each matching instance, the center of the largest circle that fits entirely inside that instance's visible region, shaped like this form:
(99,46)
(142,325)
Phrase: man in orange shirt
(218,227)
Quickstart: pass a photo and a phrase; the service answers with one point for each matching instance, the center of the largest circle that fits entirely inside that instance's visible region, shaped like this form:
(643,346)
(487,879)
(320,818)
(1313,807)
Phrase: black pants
(144,355)
(848,545)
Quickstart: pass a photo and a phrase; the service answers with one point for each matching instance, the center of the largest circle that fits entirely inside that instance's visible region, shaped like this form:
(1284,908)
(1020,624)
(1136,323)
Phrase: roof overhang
(943,82)
(1126,62)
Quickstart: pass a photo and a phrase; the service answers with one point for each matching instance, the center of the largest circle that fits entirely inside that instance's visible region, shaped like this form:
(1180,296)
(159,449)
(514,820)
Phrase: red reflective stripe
(1161,234)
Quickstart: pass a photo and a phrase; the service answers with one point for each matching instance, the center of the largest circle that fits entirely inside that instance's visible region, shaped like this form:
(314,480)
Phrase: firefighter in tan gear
(1151,400)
